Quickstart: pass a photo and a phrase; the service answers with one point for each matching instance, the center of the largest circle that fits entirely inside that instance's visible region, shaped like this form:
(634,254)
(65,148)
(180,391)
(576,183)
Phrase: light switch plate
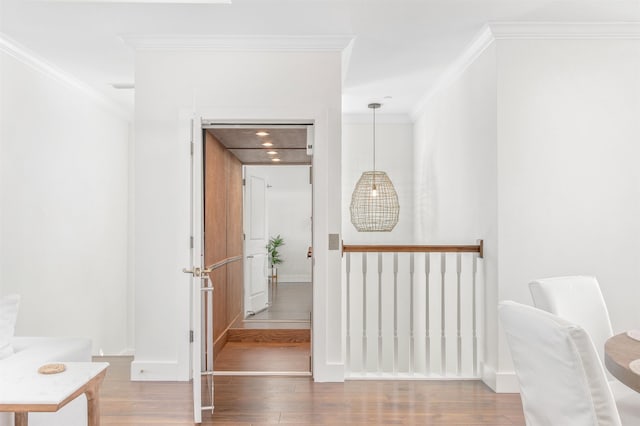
(334,241)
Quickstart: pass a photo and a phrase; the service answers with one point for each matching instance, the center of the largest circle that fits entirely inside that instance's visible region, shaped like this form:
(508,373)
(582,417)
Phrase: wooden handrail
(479,248)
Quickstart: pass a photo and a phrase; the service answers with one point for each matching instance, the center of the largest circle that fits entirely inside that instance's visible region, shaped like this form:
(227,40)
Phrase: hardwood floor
(276,340)
(269,334)
(264,357)
(298,400)
(289,302)
(127,403)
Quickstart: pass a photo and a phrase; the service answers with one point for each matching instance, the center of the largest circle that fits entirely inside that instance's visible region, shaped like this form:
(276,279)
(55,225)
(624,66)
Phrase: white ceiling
(401,47)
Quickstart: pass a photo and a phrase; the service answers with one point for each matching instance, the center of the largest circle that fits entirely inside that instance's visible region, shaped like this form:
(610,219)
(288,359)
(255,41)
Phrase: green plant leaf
(272,249)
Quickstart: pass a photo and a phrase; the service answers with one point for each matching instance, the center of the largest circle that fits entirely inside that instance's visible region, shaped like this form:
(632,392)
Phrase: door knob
(197,272)
(193,271)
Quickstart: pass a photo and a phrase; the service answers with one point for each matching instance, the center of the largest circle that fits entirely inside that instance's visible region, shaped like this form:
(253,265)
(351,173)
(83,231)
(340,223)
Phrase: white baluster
(395,313)
(427,271)
(411,299)
(364,313)
(379,312)
(458,313)
(474,313)
(443,338)
(348,315)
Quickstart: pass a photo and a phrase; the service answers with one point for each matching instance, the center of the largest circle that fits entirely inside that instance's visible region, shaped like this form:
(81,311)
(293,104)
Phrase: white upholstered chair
(562,381)
(578,299)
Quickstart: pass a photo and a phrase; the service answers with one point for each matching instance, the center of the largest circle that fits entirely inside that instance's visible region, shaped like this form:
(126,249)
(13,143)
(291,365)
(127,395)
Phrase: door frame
(309,125)
(328,337)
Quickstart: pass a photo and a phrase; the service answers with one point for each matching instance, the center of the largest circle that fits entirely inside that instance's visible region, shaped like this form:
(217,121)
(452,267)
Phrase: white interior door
(199,280)
(255,244)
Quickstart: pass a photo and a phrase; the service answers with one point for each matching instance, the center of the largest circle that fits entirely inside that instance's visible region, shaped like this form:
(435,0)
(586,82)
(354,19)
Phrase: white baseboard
(123,352)
(127,352)
(507,382)
(488,376)
(155,371)
(294,278)
(328,372)
(502,382)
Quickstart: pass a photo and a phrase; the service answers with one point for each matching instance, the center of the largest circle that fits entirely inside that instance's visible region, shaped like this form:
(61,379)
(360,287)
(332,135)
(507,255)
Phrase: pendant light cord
(374,140)
(374,106)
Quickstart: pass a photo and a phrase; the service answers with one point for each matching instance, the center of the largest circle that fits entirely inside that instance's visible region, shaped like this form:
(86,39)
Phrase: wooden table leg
(93,401)
(21,419)
(93,408)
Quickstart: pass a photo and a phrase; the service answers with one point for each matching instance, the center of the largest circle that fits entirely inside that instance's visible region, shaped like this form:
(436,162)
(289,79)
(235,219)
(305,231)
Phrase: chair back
(562,381)
(577,299)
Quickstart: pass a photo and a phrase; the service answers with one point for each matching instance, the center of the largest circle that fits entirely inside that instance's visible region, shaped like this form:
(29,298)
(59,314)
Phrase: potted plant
(274,256)
(272,249)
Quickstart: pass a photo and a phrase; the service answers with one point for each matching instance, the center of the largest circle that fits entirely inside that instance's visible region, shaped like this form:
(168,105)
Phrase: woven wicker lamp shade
(374,203)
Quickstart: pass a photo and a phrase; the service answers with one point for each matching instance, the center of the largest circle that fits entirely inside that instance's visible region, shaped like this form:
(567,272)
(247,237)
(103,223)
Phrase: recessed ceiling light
(262,133)
(267,144)
(275,159)
(272,152)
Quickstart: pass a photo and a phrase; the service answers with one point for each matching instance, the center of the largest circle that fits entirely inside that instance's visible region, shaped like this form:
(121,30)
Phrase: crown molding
(146,1)
(493,31)
(32,60)
(346,58)
(468,56)
(241,43)
(565,30)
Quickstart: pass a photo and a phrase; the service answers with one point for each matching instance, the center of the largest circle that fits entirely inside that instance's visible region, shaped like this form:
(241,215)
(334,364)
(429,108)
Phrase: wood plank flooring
(275,341)
(269,334)
(289,301)
(299,400)
(266,357)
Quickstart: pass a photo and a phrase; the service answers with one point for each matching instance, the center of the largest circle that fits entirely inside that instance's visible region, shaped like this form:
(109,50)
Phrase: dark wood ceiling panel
(260,156)
(246,145)
(247,138)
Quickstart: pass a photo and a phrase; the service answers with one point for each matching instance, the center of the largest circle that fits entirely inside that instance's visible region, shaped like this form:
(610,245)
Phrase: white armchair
(562,381)
(578,299)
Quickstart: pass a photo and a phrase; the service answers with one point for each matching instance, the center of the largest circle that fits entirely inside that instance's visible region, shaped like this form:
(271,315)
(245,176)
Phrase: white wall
(225,85)
(63,197)
(455,173)
(533,148)
(289,215)
(568,180)
(394,155)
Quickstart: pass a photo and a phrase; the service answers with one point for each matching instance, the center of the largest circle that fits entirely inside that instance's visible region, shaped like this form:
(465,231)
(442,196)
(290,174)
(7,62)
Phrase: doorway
(259,321)
(288,221)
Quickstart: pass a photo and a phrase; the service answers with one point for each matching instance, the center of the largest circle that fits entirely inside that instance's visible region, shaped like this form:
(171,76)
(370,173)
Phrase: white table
(25,390)
(619,351)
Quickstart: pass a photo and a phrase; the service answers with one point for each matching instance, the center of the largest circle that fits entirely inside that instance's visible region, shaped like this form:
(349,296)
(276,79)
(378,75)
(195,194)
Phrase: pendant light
(374,202)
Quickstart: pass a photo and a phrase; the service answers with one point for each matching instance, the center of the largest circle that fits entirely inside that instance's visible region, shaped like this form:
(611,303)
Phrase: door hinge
(191,242)
(190,336)
(244,182)
(244,237)
(191,148)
